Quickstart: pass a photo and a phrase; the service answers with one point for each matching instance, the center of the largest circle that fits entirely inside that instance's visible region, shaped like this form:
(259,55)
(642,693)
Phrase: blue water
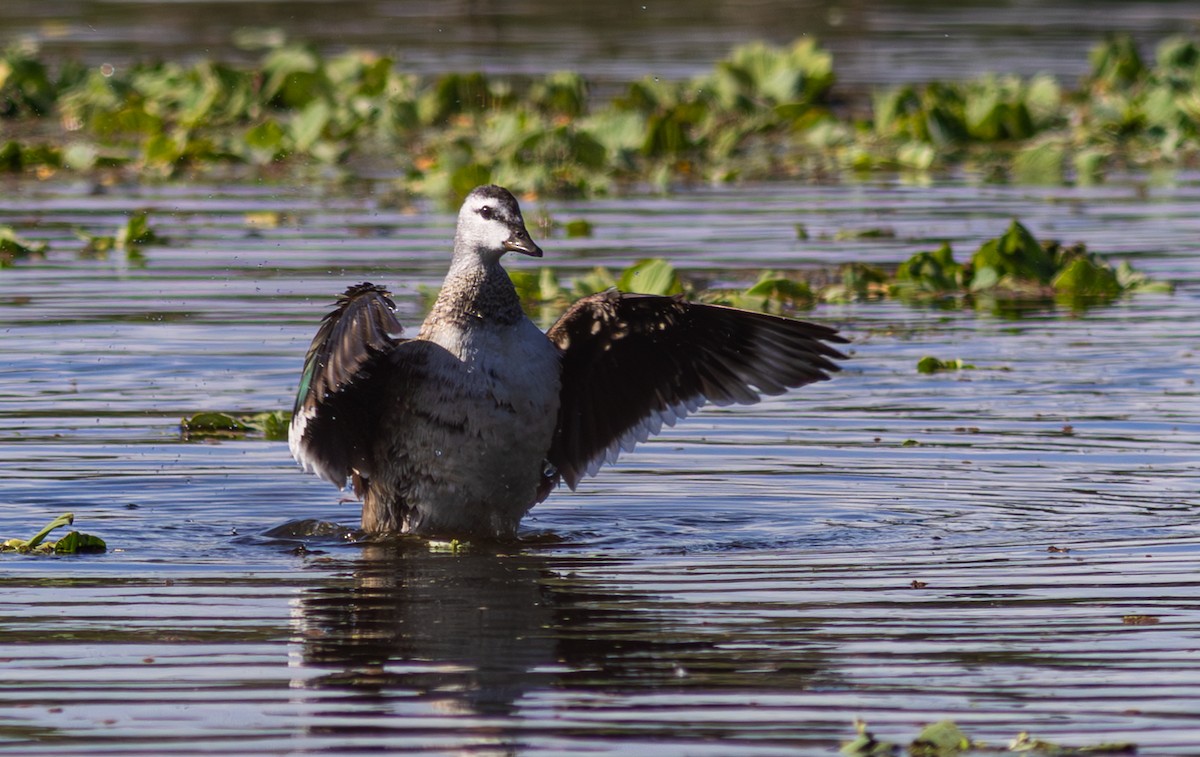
(743,584)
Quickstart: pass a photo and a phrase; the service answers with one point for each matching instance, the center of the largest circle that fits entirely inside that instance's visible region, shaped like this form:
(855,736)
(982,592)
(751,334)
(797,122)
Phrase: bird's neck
(474,292)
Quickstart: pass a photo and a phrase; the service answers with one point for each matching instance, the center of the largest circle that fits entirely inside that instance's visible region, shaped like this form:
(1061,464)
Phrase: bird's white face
(490,224)
(486,224)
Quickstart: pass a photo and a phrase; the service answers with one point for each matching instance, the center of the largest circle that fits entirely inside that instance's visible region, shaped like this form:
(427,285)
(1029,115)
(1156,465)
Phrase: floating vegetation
(74,542)
(1016,265)
(1013,267)
(945,739)
(14,247)
(762,112)
(130,237)
(453,546)
(930,364)
(273,426)
(578,228)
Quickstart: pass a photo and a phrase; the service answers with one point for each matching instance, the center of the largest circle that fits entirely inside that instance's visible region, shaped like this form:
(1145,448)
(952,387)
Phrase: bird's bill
(520,242)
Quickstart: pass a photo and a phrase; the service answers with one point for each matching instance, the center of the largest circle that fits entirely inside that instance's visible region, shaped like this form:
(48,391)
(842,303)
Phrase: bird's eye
(486,212)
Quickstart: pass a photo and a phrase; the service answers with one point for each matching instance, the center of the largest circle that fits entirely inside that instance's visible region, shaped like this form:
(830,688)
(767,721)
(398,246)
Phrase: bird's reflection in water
(468,630)
(409,635)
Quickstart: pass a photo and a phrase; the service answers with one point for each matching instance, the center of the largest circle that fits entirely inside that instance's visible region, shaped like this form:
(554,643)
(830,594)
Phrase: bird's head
(490,224)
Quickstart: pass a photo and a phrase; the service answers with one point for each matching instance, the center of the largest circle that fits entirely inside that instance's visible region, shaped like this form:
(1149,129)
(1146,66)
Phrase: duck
(460,430)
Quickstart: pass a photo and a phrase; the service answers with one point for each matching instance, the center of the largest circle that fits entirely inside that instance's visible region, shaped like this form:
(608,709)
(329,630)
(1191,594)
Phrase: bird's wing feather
(633,362)
(344,377)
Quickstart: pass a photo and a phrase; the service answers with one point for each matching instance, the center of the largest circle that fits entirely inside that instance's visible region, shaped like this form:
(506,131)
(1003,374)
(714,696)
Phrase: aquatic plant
(931,364)
(1012,267)
(945,738)
(761,112)
(15,247)
(272,425)
(73,543)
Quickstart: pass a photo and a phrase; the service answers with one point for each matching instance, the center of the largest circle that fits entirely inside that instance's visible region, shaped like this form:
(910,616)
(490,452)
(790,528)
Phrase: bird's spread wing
(343,380)
(633,362)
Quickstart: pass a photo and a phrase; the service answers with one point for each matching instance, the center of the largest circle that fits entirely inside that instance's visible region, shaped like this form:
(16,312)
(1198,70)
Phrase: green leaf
(137,232)
(548,286)
(293,76)
(467,177)
(1085,276)
(1026,744)
(916,156)
(941,739)
(1016,255)
(267,136)
(650,276)
(212,424)
(1116,63)
(273,425)
(563,93)
(14,247)
(164,150)
(1040,163)
(1136,281)
(307,126)
(866,745)
(930,364)
(877,232)
(578,228)
(863,281)
(96,244)
(599,280)
(75,543)
(934,271)
(526,284)
(65,519)
(772,288)
(80,156)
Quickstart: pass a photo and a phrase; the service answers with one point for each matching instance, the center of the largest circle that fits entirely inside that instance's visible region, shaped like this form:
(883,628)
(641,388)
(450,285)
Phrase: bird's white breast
(505,395)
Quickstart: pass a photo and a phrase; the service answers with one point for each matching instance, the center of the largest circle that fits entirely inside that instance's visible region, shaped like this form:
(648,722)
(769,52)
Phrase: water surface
(886,545)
